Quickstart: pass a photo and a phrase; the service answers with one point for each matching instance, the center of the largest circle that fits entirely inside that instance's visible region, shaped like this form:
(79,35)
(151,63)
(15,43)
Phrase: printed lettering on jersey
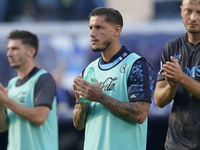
(21,92)
(177,56)
(194,71)
(108,84)
(19,98)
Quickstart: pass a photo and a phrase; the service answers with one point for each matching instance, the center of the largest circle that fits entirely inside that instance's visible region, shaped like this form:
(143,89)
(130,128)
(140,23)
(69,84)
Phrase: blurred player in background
(179,80)
(116,118)
(28,106)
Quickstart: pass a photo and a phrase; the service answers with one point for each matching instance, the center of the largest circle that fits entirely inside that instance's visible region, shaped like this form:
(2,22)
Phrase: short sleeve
(45,89)
(141,82)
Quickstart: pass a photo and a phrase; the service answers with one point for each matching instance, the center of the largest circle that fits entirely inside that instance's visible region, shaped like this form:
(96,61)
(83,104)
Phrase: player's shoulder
(143,64)
(177,40)
(13,81)
(175,45)
(46,77)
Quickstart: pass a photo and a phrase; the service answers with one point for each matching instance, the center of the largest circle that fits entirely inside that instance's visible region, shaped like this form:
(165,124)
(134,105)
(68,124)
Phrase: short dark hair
(112,15)
(192,0)
(27,38)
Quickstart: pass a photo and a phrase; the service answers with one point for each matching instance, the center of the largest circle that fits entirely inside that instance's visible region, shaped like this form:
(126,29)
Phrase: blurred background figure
(6,73)
(65,99)
(62,28)
(3,9)
(28,105)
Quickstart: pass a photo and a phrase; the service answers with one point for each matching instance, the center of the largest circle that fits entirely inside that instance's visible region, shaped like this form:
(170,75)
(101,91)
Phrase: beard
(101,49)
(18,62)
(15,66)
(194,31)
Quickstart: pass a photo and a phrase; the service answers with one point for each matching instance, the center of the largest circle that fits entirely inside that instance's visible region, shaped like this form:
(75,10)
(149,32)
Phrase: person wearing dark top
(116,116)
(178,80)
(28,104)
(6,73)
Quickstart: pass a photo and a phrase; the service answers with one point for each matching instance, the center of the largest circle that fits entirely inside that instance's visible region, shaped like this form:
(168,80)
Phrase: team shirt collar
(114,60)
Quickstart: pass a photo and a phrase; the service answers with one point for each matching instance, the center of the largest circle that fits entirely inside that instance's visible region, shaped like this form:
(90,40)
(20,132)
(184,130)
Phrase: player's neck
(194,38)
(24,70)
(110,52)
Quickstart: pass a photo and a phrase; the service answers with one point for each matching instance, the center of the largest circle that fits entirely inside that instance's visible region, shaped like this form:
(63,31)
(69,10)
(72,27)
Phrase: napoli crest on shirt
(122,68)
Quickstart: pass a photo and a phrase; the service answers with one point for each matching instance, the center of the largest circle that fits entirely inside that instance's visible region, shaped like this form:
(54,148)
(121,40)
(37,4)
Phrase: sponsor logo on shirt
(108,84)
(194,71)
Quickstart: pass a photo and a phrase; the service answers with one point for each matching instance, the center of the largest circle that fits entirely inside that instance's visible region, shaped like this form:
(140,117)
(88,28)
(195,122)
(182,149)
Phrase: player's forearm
(31,114)
(164,96)
(132,111)
(3,120)
(80,116)
(190,85)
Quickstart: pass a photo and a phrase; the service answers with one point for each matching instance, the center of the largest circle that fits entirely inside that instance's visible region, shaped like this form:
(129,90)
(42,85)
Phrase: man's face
(101,33)
(17,53)
(190,11)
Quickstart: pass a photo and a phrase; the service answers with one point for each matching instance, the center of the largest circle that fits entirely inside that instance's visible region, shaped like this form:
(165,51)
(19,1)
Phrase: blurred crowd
(46,10)
(62,10)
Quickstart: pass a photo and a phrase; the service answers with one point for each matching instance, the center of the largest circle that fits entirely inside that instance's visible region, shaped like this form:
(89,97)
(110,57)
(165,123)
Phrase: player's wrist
(2,107)
(183,78)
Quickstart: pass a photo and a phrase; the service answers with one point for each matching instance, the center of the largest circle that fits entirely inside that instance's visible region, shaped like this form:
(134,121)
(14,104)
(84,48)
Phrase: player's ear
(32,51)
(181,7)
(118,30)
